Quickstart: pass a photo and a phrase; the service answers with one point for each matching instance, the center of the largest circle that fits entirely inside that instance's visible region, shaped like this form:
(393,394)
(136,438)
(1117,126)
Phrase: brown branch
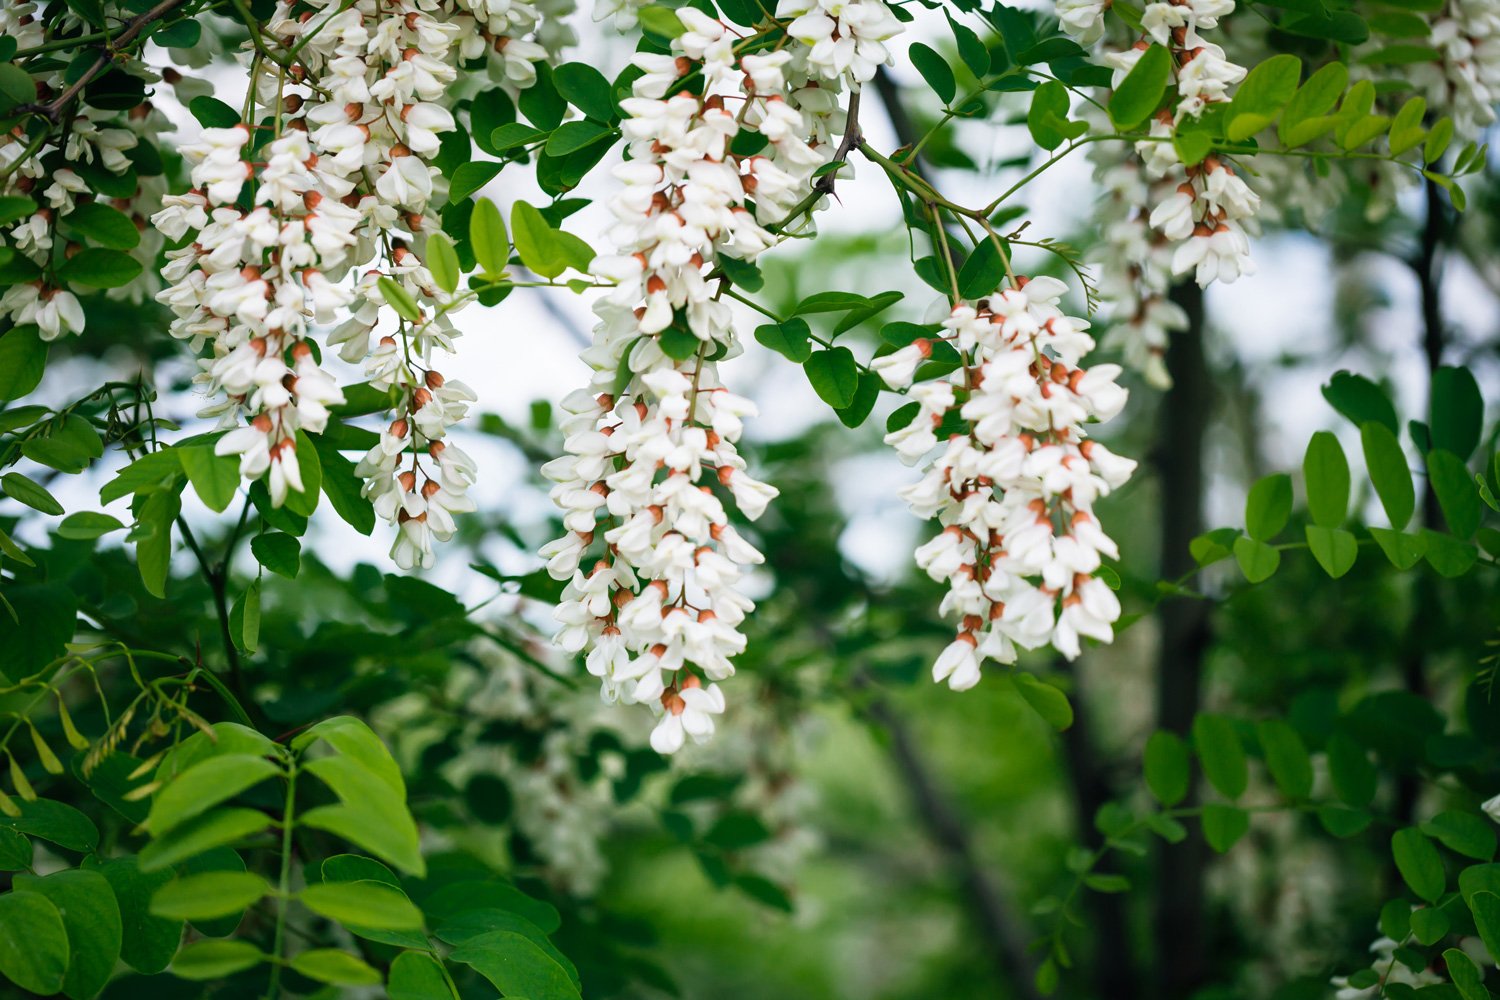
(1003,939)
(52,110)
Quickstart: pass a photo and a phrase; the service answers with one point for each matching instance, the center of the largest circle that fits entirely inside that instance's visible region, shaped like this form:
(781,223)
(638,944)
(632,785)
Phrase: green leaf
(204,960)
(1404,551)
(584,87)
(1418,862)
(91,921)
(516,966)
(1485,905)
(1223,825)
(1360,400)
(1450,556)
(834,376)
(1046,700)
(105,225)
(329,965)
(488,238)
(305,501)
(982,272)
(535,241)
(1268,507)
(1463,833)
(33,495)
(209,895)
(442,261)
(935,70)
(1457,411)
(363,904)
(1221,754)
(1141,91)
(1286,758)
(1261,96)
(16,853)
(1305,115)
(97,267)
(1257,560)
(400,299)
(14,208)
(1466,976)
(213,113)
(1429,925)
(514,134)
(278,552)
(489,112)
(791,339)
(661,21)
(1167,768)
(865,395)
(1406,128)
(1341,822)
(23,359)
(343,487)
(1456,492)
(570,136)
(470,177)
(1437,144)
(1326,473)
(204,785)
(1349,766)
(1389,473)
(147,943)
(415,975)
(680,343)
(16,87)
(1334,548)
(54,822)
(203,833)
(33,942)
(215,478)
(392,837)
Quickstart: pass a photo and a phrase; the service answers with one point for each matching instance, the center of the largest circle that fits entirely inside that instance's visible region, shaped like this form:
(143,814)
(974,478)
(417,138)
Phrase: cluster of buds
(1009,474)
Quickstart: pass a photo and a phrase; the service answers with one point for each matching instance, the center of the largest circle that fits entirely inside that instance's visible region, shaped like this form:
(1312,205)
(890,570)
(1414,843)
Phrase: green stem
(283,882)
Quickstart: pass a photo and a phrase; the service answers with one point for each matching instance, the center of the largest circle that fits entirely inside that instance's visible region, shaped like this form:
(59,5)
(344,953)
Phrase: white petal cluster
(652,562)
(95,140)
(1160,219)
(251,283)
(1009,474)
(1465,81)
(342,198)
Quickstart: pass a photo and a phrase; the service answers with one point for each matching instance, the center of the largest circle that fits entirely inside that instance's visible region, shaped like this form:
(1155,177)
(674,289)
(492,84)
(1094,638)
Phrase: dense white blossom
(651,560)
(1011,478)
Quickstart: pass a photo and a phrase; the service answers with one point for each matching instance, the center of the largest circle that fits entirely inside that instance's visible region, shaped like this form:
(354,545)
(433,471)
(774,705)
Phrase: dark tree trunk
(1178,923)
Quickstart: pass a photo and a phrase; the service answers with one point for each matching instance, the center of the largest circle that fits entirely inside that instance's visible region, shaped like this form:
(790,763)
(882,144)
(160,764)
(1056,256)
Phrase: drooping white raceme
(1161,219)
(652,562)
(1014,480)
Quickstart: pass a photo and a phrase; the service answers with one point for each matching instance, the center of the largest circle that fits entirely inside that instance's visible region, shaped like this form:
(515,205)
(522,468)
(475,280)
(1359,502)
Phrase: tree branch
(1003,939)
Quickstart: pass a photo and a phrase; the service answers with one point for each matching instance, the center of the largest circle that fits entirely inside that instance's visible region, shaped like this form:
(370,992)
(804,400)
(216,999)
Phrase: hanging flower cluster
(1163,219)
(1465,79)
(1011,476)
(251,282)
(343,198)
(98,143)
(652,562)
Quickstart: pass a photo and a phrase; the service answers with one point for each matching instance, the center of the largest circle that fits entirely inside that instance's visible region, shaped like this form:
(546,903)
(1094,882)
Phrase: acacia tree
(228,813)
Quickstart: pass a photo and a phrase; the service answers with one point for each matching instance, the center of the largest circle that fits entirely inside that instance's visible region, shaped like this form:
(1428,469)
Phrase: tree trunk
(1179,932)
